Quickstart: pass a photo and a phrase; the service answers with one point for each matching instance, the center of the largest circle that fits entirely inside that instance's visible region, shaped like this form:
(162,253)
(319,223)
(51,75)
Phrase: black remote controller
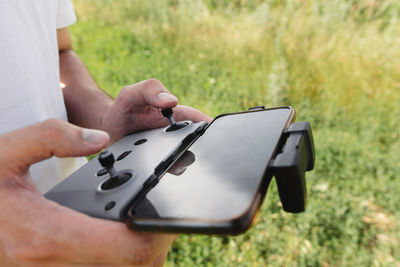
(107,184)
(196,177)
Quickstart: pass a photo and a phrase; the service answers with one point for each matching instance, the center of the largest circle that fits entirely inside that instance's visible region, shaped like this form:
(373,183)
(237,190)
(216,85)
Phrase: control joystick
(116,179)
(167,112)
(107,160)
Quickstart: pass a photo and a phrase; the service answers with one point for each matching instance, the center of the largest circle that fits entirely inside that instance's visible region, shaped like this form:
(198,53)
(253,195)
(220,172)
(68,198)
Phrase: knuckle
(152,83)
(125,92)
(51,133)
(51,129)
(52,122)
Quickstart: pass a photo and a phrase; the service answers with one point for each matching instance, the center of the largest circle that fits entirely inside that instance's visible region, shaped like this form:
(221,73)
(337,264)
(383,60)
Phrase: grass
(336,62)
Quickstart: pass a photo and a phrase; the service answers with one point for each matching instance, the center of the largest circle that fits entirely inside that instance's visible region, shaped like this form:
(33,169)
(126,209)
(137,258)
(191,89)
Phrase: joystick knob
(106,159)
(167,112)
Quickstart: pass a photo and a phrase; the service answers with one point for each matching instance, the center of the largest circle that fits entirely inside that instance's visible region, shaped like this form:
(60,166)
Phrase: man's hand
(37,232)
(137,107)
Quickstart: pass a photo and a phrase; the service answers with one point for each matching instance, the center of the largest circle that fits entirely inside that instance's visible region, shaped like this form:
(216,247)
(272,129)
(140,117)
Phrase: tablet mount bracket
(295,156)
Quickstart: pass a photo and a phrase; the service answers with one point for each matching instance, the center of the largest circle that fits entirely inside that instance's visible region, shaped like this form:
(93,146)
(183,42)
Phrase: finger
(107,242)
(149,92)
(140,249)
(40,141)
(64,235)
(188,113)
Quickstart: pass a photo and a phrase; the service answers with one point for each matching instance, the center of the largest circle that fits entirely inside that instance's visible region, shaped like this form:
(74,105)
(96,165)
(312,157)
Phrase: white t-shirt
(30,89)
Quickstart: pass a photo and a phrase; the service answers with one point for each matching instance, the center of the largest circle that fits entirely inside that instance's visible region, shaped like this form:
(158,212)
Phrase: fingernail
(95,137)
(166,97)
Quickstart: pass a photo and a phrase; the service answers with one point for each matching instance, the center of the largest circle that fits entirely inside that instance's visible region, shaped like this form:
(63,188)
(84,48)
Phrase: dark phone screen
(220,174)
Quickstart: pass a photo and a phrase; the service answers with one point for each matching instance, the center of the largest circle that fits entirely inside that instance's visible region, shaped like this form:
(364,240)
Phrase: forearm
(86,103)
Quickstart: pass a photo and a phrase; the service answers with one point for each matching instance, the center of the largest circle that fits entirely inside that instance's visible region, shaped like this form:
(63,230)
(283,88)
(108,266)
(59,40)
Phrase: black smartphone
(219,183)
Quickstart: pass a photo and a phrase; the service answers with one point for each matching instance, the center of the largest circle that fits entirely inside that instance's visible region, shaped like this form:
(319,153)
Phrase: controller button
(102,172)
(109,205)
(141,141)
(123,155)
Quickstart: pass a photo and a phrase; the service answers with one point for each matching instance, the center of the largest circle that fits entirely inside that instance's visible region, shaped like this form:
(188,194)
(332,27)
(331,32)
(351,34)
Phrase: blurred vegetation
(336,62)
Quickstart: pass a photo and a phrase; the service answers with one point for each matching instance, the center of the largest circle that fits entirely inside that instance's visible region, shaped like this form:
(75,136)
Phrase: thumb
(149,92)
(23,147)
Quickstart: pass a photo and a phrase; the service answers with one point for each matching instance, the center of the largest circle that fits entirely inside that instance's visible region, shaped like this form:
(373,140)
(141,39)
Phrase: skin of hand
(37,232)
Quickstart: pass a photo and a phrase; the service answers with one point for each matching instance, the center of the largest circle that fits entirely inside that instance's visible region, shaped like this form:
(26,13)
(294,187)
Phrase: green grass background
(336,62)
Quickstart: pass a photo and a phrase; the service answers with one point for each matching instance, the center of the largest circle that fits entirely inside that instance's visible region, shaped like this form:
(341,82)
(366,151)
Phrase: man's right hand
(37,232)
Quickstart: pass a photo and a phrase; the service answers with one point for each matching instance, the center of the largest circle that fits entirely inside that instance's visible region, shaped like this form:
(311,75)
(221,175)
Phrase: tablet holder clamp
(295,156)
